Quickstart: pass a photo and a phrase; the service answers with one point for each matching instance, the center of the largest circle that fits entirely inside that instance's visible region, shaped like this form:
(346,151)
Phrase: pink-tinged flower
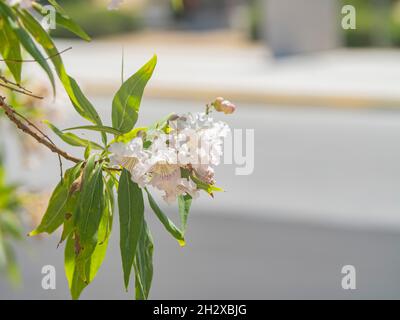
(225,106)
(133,158)
(193,141)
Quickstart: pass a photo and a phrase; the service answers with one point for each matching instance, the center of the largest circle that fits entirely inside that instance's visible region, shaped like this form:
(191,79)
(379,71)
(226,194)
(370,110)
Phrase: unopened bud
(225,106)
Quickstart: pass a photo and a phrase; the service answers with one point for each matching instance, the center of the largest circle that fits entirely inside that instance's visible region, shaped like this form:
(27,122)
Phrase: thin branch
(44,139)
(30,123)
(20,91)
(6,81)
(34,60)
(11,114)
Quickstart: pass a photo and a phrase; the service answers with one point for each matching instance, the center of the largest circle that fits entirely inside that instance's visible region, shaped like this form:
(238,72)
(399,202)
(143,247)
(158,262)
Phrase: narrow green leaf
(144,264)
(209,188)
(131,213)
(160,124)
(126,102)
(126,137)
(57,208)
(81,104)
(168,224)
(100,251)
(80,101)
(96,128)
(10,49)
(88,151)
(72,139)
(63,20)
(93,262)
(68,225)
(184,203)
(75,283)
(26,40)
(71,208)
(91,205)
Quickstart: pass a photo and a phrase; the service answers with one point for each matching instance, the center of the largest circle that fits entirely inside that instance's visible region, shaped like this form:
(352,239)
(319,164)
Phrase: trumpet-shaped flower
(194,142)
(133,158)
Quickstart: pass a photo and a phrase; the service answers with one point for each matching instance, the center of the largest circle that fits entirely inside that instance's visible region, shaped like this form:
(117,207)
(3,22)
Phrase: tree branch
(34,60)
(19,89)
(44,139)
(12,115)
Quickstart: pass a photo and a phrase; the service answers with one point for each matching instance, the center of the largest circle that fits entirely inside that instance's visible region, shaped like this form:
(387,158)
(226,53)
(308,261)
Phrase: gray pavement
(324,193)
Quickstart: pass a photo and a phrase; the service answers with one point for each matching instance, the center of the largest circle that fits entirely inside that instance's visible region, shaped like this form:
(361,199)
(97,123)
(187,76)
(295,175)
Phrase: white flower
(164,171)
(205,173)
(184,186)
(198,140)
(133,158)
(194,143)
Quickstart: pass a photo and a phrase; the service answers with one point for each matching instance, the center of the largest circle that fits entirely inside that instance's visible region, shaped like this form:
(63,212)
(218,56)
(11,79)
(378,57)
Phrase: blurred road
(195,66)
(324,194)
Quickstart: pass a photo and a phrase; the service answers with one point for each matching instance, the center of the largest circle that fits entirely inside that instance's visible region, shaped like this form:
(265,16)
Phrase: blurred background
(324,104)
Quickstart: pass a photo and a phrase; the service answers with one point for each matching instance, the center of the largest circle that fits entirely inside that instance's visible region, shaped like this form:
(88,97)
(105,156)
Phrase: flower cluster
(177,157)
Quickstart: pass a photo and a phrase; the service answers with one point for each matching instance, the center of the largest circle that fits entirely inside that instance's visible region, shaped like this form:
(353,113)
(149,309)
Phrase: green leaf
(184,203)
(55,4)
(63,20)
(104,129)
(88,151)
(68,225)
(92,202)
(126,102)
(209,188)
(75,282)
(10,49)
(131,213)
(26,40)
(144,264)
(168,224)
(160,124)
(130,135)
(57,208)
(91,205)
(81,104)
(93,262)
(69,24)
(72,139)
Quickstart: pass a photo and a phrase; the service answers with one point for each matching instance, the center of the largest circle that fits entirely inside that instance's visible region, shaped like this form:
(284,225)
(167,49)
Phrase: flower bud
(225,106)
